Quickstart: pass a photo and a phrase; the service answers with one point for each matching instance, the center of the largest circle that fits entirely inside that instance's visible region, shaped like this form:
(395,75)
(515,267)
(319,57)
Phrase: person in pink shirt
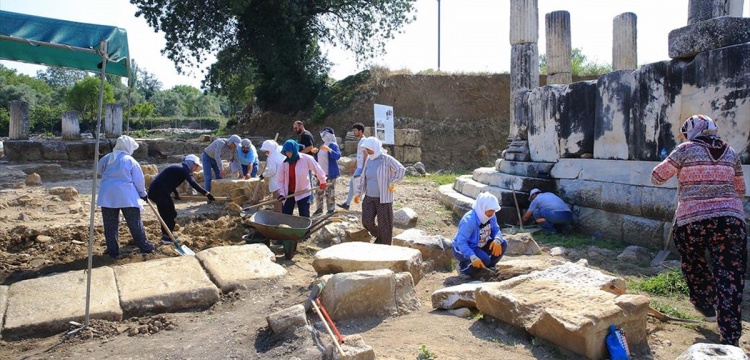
(293,178)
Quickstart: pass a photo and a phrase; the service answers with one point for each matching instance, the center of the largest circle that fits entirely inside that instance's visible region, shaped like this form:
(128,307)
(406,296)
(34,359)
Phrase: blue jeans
(111,220)
(209,164)
(253,173)
(557,220)
(303,205)
(464,263)
(357,174)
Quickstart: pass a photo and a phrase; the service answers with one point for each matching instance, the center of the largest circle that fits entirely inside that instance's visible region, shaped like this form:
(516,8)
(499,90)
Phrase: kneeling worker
(550,212)
(166,183)
(478,244)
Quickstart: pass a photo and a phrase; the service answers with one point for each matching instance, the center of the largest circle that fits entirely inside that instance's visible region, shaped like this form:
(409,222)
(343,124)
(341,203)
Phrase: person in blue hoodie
(246,160)
(478,243)
(328,157)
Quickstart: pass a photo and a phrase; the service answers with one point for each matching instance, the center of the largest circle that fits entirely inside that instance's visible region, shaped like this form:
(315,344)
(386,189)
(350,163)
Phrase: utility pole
(438,35)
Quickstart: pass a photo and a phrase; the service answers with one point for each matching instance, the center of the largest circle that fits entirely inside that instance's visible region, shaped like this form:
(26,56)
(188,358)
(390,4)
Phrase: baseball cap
(534,191)
(194,159)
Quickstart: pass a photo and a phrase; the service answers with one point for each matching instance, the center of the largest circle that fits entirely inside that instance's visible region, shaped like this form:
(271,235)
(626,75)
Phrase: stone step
(458,203)
(461,203)
(491,176)
(357,256)
(524,168)
(236,267)
(472,188)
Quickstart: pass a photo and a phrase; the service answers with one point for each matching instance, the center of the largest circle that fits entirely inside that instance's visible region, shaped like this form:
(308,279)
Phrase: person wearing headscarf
(380,173)
(211,158)
(478,243)
(709,216)
(293,179)
(245,157)
(121,187)
(166,182)
(328,157)
(274,160)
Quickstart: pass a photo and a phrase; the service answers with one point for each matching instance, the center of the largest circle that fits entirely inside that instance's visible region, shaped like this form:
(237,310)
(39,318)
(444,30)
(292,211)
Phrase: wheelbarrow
(289,229)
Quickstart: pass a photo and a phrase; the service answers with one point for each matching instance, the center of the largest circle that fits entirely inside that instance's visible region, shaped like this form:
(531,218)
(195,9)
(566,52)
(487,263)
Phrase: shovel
(509,185)
(656,313)
(180,249)
(663,253)
(284,198)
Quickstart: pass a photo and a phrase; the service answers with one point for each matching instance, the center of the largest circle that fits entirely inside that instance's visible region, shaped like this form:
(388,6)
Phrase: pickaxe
(314,302)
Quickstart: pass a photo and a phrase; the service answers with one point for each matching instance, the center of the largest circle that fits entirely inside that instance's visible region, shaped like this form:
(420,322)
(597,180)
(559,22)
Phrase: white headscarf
(698,125)
(373,144)
(485,201)
(125,144)
(328,138)
(270,145)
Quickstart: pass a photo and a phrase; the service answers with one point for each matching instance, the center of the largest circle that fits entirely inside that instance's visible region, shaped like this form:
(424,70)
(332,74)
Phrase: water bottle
(663,154)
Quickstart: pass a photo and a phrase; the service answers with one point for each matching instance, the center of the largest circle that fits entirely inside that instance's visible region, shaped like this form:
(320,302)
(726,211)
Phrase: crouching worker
(166,183)
(550,212)
(478,243)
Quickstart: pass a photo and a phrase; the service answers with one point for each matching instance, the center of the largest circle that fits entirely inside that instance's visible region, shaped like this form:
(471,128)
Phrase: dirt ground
(236,327)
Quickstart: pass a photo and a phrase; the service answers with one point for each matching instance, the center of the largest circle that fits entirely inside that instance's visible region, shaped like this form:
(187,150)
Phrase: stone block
(544,138)
(287,319)
(3,303)
(702,351)
(408,154)
(354,348)
(606,224)
(66,193)
(197,148)
(524,168)
(54,150)
(524,66)
(350,147)
(347,165)
(621,198)
(521,244)
(141,152)
(582,192)
(576,276)
(174,284)
(612,115)
(48,172)
(456,297)
(552,311)
(407,137)
(490,176)
(78,151)
(357,256)
(643,232)
(22,150)
(458,203)
(150,169)
(514,267)
(609,171)
(406,297)
(341,232)
(43,306)
(435,249)
(576,119)
(405,218)
(352,295)
(163,148)
(237,267)
(230,187)
(711,34)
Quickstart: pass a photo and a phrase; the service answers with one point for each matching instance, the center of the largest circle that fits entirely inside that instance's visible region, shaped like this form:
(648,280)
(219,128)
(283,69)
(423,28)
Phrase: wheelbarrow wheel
(290,249)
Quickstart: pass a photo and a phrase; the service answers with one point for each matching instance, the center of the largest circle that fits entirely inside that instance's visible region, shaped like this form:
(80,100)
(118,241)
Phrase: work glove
(144,198)
(314,150)
(356,199)
(392,187)
(325,147)
(260,177)
(322,186)
(496,247)
(210,198)
(281,198)
(477,262)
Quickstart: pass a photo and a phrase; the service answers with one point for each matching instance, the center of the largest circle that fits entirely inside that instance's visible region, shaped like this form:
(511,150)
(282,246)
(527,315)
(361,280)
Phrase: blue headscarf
(293,147)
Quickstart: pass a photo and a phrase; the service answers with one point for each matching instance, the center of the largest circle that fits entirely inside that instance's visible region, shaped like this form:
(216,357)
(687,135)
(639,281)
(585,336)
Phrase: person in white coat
(121,186)
(274,159)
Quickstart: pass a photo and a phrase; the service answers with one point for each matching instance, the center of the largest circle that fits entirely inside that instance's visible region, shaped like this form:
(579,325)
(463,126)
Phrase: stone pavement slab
(3,303)
(235,267)
(455,297)
(45,305)
(356,256)
(164,285)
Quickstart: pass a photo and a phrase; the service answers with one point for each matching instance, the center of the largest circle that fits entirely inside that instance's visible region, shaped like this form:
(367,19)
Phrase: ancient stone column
(19,120)
(71,128)
(700,10)
(625,42)
(557,24)
(113,120)
(524,58)
(734,7)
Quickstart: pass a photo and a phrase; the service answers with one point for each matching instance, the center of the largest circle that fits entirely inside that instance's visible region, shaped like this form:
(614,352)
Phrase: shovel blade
(660,257)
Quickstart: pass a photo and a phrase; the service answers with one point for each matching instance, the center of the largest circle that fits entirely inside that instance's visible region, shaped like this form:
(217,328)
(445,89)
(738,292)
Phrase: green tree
(168,103)
(580,64)
(58,77)
(84,97)
(281,38)
(232,76)
(142,110)
(147,83)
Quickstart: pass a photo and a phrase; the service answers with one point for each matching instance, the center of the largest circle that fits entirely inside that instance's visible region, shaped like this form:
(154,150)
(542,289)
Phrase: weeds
(574,241)
(669,283)
(670,310)
(425,354)
(439,179)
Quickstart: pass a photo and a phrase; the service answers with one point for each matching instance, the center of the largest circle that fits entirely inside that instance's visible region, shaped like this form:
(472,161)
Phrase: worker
(550,212)
(380,172)
(358,130)
(274,159)
(212,158)
(246,157)
(121,186)
(478,243)
(166,182)
(328,157)
(292,179)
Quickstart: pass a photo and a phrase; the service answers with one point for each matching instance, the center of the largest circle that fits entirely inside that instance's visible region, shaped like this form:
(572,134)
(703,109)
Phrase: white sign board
(384,124)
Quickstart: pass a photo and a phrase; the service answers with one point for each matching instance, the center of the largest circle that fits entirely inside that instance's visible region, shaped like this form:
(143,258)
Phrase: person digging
(550,212)
(478,243)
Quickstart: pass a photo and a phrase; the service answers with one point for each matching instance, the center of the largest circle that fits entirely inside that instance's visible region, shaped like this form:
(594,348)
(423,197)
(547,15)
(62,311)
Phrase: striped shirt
(707,188)
(218,148)
(390,171)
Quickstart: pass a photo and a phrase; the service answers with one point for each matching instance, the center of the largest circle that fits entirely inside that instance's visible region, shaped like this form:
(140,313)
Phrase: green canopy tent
(55,42)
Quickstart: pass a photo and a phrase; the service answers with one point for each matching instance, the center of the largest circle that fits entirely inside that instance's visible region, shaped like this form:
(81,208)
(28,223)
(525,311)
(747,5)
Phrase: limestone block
(405,218)
(635,255)
(612,117)
(625,42)
(490,176)
(54,150)
(350,147)
(523,168)
(702,10)
(458,203)
(354,348)
(164,148)
(545,106)
(637,173)
(456,297)
(582,192)
(520,116)
(621,198)
(66,193)
(22,150)
(149,169)
(514,267)
(552,311)
(524,21)
(336,233)
(711,34)
(559,78)
(197,148)
(407,137)
(703,351)
(643,232)
(357,256)
(232,187)
(435,249)
(71,129)
(352,295)
(174,284)
(408,154)
(18,126)
(594,221)
(33,179)
(521,244)
(576,119)
(45,305)
(3,303)
(576,275)
(112,120)
(287,319)
(557,25)
(524,66)
(77,151)
(407,300)
(237,267)
(347,165)
(141,152)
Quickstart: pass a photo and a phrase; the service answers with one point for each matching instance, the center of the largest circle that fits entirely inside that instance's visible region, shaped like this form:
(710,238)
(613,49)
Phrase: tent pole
(103,50)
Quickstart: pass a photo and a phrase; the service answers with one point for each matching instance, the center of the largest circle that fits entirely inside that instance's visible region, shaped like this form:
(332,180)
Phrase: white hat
(534,191)
(235,139)
(246,143)
(194,159)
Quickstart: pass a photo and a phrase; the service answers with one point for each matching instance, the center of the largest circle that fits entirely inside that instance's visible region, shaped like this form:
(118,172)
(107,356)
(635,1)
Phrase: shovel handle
(284,198)
(328,318)
(163,224)
(328,328)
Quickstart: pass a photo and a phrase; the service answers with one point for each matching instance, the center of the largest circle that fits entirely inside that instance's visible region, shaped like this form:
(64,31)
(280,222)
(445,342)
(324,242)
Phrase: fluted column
(113,120)
(700,10)
(19,120)
(71,128)
(734,7)
(625,42)
(558,47)
(524,53)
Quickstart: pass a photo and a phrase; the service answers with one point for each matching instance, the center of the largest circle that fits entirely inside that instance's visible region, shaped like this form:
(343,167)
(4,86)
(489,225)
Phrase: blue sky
(474,33)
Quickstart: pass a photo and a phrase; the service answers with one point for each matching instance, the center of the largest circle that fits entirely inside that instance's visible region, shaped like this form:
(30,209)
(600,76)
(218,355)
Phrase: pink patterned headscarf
(698,125)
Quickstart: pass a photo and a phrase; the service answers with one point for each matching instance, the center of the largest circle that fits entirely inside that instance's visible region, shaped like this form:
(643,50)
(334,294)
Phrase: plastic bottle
(663,154)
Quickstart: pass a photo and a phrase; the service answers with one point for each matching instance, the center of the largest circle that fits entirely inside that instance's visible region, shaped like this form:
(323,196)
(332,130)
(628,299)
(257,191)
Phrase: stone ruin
(594,143)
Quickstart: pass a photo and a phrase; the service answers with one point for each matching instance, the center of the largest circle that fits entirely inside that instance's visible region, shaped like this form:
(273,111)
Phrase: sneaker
(708,315)
(318,212)
(330,212)
(167,241)
(464,276)
(344,206)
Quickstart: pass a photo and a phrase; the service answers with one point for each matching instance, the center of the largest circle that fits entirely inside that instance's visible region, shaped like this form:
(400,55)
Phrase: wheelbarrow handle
(284,198)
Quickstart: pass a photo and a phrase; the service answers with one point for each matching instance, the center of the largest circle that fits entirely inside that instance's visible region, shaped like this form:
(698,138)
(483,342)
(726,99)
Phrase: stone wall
(60,150)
